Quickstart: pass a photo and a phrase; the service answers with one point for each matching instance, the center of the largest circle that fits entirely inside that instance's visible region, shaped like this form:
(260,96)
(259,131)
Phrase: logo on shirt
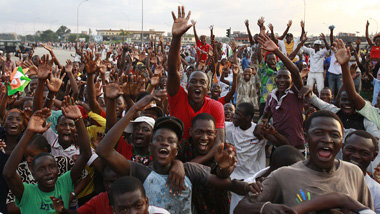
(302,196)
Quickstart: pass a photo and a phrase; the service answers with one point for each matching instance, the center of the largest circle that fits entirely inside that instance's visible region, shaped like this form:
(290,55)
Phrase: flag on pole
(18,81)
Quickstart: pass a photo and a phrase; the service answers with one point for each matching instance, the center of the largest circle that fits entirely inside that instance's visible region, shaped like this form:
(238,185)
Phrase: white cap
(317,42)
(150,121)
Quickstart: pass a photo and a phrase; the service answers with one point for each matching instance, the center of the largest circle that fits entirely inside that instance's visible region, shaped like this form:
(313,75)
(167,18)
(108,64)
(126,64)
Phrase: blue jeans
(335,82)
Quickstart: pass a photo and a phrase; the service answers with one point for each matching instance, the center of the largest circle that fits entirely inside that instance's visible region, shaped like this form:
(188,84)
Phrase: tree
(72,37)
(62,31)
(48,36)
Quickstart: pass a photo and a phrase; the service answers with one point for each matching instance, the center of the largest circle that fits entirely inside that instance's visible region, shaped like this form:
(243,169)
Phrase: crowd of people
(274,127)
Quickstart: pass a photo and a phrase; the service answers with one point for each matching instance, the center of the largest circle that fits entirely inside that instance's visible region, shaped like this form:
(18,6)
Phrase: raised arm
(35,125)
(111,93)
(343,55)
(53,57)
(302,28)
(70,110)
(91,68)
(251,41)
(53,84)
(323,37)
(106,148)
(44,70)
(299,46)
(179,28)
(268,45)
(331,34)
(231,93)
(195,31)
(367,35)
(73,82)
(286,30)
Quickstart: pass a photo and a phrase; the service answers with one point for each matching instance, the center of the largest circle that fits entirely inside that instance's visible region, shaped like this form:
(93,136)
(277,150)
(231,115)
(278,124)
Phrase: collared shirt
(287,110)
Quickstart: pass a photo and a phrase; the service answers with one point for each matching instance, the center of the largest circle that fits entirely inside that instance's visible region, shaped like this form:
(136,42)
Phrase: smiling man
(360,148)
(186,105)
(318,175)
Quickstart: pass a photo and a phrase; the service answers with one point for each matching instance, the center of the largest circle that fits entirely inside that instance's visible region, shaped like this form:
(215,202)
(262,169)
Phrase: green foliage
(62,31)
(48,36)
(72,37)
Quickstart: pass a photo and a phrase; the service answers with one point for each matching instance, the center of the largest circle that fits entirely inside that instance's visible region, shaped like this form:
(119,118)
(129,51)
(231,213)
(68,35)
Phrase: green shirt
(267,76)
(35,201)
(371,113)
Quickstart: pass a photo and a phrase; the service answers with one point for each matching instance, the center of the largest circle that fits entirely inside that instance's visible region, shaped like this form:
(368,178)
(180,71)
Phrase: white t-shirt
(226,88)
(250,151)
(374,188)
(281,44)
(316,59)
(157,210)
(334,65)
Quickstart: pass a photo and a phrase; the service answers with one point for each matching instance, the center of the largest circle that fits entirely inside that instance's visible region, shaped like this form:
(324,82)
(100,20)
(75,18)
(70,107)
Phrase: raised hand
(305,72)
(193,22)
(180,25)
(305,92)
(358,41)
(37,122)
(112,91)
(91,64)
(246,22)
(211,27)
(302,24)
(44,68)
(69,109)
(342,53)
(58,204)
(69,66)
(55,82)
(266,43)
(304,38)
(270,26)
(32,68)
(225,158)
(235,70)
(323,37)
(289,23)
(367,24)
(156,96)
(48,48)
(260,22)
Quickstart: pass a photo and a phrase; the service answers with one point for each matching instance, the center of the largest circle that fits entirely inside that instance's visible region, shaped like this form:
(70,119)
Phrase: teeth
(163,150)
(203,144)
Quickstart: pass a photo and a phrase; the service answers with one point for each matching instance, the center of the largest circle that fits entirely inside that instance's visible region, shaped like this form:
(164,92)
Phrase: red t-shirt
(179,107)
(205,48)
(375,52)
(222,100)
(99,204)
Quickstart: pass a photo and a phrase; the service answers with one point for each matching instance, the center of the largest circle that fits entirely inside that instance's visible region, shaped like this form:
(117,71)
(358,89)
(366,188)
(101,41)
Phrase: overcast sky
(28,16)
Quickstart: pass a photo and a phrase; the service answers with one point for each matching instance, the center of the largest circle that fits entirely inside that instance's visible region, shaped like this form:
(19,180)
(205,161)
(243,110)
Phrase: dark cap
(171,123)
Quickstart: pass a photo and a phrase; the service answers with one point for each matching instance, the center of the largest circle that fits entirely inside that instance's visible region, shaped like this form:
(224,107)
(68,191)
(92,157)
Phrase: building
(240,38)
(133,36)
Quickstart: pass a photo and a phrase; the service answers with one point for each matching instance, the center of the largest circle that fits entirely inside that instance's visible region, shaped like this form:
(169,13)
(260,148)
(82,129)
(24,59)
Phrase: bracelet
(262,207)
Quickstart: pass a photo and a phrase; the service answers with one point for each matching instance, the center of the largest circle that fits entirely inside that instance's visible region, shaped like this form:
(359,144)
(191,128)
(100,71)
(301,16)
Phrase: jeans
(335,82)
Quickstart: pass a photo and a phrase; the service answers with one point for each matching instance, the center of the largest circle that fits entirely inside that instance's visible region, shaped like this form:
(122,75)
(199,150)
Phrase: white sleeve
(322,105)
(371,128)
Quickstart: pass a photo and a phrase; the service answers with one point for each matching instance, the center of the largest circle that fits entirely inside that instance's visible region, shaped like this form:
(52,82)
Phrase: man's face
(203,134)
(229,110)
(164,146)
(271,60)
(326,95)
(247,73)
(325,140)
(240,117)
(197,86)
(14,123)
(377,41)
(317,47)
(215,91)
(131,203)
(66,129)
(30,152)
(8,56)
(359,151)
(163,82)
(203,39)
(289,38)
(45,171)
(283,80)
(141,135)
(346,103)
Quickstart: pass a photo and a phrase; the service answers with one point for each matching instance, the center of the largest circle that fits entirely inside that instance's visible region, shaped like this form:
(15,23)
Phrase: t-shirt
(316,59)
(334,67)
(205,48)
(375,52)
(179,107)
(33,200)
(374,188)
(246,90)
(250,151)
(157,191)
(97,205)
(291,185)
(267,76)
(287,110)
(157,210)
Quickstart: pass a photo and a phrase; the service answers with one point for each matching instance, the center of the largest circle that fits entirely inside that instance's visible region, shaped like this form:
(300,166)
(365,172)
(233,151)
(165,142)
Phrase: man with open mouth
(360,148)
(320,174)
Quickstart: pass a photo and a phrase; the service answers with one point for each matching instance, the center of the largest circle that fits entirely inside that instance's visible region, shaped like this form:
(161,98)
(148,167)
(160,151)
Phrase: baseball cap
(153,107)
(150,121)
(317,42)
(171,123)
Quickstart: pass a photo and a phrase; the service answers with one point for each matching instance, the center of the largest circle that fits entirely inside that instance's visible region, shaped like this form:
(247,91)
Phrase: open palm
(55,82)
(180,25)
(342,53)
(69,109)
(37,122)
